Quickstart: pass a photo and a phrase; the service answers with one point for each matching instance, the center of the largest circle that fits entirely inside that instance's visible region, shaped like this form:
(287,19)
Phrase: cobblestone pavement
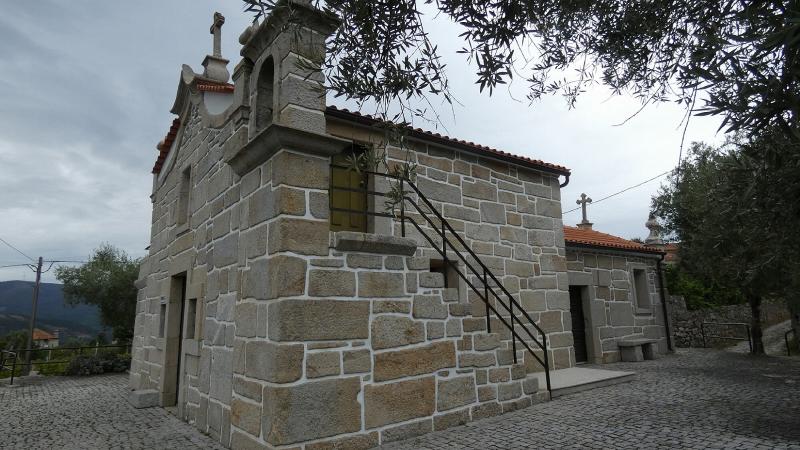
(87,413)
(695,399)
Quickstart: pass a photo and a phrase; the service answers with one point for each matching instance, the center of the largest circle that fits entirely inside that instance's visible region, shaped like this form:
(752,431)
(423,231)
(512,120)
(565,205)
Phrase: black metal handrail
(749,338)
(4,365)
(485,275)
(786,339)
(4,357)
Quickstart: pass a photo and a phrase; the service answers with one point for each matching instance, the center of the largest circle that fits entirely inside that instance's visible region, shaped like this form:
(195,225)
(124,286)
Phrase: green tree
(734,210)
(106,281)
(14,340)
(698,293)
(741,57)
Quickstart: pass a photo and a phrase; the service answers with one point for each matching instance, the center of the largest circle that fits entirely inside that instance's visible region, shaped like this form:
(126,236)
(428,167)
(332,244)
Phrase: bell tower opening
(265,94)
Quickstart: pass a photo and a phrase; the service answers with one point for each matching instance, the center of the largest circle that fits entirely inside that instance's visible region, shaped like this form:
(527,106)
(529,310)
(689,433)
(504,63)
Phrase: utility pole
(35,302)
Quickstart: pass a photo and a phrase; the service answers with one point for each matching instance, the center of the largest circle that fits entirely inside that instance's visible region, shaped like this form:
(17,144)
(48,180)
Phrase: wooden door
(356,202)
(578,323)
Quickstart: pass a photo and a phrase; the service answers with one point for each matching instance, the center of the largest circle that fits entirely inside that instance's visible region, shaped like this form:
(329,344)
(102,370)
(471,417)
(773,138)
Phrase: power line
(624,190)
(15,265)
(18,250)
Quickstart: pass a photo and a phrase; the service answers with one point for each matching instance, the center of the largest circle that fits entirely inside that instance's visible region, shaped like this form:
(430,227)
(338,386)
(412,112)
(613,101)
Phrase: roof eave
(367,121)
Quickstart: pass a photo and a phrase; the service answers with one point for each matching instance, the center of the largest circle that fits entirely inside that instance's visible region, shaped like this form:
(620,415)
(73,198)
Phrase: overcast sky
(86,89)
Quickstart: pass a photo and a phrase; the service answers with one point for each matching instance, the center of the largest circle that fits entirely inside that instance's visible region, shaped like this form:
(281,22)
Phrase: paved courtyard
(88,413)
(696,399)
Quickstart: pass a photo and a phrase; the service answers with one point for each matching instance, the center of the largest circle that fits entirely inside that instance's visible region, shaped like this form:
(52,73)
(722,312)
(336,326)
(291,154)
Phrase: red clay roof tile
(447,140)
(573,235)
(208,87)
(164,146)
(345,114)
(39,335)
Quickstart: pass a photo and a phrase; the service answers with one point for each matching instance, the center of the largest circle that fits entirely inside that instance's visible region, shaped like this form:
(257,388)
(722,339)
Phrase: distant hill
(53,313)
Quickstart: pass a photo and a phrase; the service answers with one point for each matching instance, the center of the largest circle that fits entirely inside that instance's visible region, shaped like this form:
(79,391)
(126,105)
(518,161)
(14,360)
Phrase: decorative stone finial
(655,231)
(216,67)
(584,201)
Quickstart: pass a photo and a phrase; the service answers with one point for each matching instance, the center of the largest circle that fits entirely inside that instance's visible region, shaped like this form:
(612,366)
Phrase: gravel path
(774,342)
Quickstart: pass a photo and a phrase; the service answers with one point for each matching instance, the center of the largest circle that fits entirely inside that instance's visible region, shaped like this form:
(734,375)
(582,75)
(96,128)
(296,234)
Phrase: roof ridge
(468,145)
(596,238)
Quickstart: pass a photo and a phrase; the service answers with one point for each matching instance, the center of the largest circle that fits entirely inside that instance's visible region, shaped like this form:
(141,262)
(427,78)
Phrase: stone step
(576,379)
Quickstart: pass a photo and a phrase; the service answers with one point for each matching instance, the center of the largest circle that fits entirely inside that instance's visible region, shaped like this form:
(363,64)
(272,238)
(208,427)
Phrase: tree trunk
(755,324)
(794,310)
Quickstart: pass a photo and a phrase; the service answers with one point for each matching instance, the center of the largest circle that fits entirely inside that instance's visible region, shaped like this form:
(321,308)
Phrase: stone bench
(635,350)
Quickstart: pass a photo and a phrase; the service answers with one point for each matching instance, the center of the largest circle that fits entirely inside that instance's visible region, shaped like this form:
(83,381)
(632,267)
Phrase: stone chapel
(283,305)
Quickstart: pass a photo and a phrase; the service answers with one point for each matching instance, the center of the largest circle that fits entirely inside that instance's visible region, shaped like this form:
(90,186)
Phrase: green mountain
(53,313)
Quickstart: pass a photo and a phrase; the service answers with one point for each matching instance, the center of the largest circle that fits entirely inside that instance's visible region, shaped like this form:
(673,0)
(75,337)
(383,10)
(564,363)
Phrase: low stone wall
(686,323)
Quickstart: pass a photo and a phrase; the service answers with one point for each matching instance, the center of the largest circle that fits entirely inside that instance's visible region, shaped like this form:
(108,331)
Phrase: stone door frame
(594,317)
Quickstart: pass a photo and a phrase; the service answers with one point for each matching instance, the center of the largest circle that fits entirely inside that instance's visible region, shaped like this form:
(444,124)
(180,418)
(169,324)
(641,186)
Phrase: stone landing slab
(577,379)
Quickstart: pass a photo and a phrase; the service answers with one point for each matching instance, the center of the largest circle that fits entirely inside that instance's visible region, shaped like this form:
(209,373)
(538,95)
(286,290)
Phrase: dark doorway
(173,340)
(578,322)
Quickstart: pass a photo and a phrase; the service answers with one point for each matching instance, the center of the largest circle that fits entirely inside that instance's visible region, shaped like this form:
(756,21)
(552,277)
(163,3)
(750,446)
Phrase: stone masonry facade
(613,311)
(265,329)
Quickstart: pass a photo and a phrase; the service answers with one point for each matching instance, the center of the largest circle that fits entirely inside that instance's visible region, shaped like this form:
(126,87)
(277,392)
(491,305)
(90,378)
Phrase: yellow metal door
(356,202)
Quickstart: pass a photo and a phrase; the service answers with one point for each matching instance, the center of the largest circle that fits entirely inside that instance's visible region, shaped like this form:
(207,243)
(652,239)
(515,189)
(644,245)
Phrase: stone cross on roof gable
(215,65)
(216,30)
(584,202)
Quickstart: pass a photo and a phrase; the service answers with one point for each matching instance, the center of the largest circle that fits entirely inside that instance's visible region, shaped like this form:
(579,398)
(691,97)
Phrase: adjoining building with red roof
(289,299)
(44,339)
(616,293)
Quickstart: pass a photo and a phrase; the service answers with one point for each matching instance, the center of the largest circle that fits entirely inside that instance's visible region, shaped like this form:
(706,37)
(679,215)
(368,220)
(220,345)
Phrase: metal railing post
(703,333)
(13,368)
(786,339)
(546,362)
(749,338)
(513,335)
(486,302)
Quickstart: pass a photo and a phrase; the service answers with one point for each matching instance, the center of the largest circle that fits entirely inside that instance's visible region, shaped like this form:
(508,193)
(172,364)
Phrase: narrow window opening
(451,278)
(640,288)
(265,94)
(162,318)
(183,196)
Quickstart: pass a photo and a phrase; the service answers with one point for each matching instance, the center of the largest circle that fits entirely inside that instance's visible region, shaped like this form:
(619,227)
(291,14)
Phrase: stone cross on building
(584,201)
(216,30)
(216,67)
